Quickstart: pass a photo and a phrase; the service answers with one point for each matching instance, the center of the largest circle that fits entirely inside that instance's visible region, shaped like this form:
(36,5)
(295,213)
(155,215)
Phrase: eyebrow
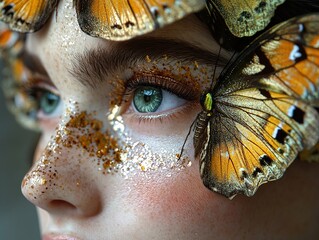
(95,65)
(33,63)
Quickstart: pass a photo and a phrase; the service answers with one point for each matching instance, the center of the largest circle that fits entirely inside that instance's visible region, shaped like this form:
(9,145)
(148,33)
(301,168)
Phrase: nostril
(61,204)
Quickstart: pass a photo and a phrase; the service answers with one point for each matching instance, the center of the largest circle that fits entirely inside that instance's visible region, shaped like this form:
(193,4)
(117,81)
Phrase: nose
(61,181)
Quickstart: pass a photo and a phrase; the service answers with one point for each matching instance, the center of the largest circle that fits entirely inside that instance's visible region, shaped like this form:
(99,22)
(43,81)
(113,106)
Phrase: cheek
(179,199)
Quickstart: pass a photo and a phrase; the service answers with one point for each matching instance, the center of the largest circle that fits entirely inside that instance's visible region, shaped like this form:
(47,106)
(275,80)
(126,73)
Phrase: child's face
(140,98)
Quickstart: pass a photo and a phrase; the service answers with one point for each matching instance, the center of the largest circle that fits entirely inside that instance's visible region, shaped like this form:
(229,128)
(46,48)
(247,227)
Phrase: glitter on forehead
(71,22)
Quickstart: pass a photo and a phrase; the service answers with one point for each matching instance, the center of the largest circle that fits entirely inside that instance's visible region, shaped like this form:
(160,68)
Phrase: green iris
(147,99)
(48,102)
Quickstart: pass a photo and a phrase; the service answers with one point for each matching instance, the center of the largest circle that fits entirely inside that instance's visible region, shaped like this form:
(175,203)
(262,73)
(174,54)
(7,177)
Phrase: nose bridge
(63,174)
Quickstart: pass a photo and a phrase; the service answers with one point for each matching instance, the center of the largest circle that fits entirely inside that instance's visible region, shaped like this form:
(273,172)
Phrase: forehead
(61,40)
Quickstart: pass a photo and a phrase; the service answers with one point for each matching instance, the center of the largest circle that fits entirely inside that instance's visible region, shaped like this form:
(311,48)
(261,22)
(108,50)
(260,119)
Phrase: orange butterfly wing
(263,113)
(124,19)
(26,15)
(254,139)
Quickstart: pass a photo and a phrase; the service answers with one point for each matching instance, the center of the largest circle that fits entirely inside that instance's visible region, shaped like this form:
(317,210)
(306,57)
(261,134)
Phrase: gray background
(17,216)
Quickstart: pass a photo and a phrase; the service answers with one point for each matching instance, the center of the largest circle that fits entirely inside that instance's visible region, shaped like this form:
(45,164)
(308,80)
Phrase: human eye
(150,99)
(153,99)
(48,103)
(154,95)
(32,98)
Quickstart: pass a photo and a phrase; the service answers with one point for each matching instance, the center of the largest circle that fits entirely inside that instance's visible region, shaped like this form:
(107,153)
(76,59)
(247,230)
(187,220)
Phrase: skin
(161,204)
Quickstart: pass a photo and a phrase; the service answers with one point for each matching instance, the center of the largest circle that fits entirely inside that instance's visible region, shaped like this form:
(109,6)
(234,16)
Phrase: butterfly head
(207,101)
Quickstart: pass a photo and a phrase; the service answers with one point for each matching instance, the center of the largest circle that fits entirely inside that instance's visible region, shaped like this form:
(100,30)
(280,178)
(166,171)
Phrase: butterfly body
(260,113)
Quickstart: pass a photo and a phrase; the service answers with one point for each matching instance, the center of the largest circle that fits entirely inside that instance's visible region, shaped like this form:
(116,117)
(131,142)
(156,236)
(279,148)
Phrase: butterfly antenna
(214,73)
(183,146)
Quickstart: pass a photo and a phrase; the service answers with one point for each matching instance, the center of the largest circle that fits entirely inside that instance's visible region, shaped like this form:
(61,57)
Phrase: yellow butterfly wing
(245,18)
(124,19)
(26,15)
(263,110)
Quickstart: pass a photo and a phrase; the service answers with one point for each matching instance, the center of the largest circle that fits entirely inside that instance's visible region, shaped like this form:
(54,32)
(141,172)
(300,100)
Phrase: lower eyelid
(171,122)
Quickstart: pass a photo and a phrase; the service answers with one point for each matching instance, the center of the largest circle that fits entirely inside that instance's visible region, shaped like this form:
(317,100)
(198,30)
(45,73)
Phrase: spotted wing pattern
(245,18)
(124,19)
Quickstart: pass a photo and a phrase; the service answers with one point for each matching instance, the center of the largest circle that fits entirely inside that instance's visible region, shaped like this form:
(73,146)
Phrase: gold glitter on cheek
(139,157)
(82,140)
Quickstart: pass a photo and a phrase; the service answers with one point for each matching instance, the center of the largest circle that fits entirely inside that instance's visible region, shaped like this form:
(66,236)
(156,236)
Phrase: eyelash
(165,83)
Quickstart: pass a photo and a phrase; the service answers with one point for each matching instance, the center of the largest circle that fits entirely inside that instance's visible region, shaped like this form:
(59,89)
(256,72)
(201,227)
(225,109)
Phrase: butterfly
(245,18)
(109,19)
(26,15)
(261,113)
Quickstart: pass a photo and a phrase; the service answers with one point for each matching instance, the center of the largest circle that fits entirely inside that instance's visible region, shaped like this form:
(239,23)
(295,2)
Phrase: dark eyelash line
(177,88)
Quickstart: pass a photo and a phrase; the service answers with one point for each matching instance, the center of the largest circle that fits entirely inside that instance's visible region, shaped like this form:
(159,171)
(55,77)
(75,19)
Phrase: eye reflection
(147,99)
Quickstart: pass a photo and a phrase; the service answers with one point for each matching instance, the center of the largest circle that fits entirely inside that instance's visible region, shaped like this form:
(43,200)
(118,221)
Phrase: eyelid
(169,84)
(41,84)
(35,79)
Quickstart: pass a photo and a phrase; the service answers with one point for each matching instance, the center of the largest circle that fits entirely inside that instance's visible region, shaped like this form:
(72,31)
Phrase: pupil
(148,95)
(147,99)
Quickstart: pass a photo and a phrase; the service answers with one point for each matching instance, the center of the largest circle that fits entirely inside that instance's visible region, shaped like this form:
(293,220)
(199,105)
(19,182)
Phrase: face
(115,117)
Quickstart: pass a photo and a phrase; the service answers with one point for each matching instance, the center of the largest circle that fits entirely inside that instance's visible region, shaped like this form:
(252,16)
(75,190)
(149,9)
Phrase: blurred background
(18,218)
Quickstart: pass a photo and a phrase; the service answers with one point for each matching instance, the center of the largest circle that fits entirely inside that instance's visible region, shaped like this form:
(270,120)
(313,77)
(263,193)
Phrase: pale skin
(160,204)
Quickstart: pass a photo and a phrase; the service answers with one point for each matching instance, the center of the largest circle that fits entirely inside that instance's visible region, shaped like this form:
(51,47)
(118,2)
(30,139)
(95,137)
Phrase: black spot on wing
(243,175)
(7,9)
(116,26)
(244,16)
(263,60)
(297,114)
(280,135)
(281,151)
(265,160)
(129,24)
(256,171)
(265,93)
(261,7)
